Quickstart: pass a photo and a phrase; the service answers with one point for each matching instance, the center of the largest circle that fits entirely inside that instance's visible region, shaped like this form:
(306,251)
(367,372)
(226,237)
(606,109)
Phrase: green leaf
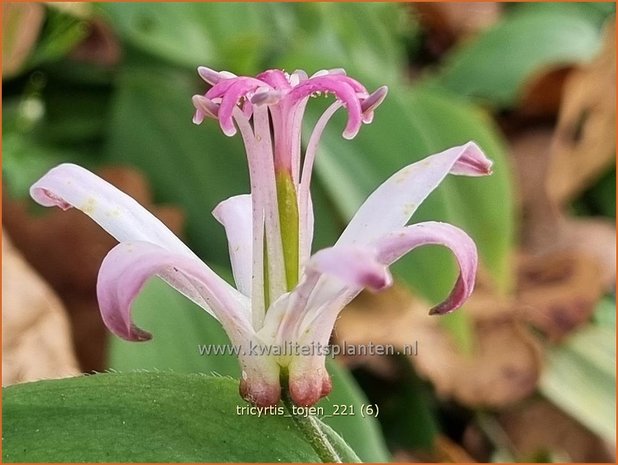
(24,162)
(193,166)
(410,411)
(600,198)
(364,38)
(596,13)
(410,125)
(61,33)
(179,327)
(363,434)
(192,34)
(605,313)
(580,375)
(304,36)
(26,156)
(496,65)
(146,417)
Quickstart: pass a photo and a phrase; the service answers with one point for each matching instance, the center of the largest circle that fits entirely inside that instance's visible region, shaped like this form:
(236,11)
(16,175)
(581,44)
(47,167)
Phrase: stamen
(209,75)
(205,105)
(374,100)
(298,76)
(266,97)
(320,73)
(227,75)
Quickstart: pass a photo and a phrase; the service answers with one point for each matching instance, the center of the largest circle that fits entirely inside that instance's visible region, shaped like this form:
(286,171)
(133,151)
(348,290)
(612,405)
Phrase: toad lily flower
(284,296)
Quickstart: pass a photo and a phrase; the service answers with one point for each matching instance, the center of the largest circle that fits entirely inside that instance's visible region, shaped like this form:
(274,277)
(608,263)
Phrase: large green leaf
(410,125)
(192,34)
(596,13)
(358,33)
(580,376)
(179,327)
(61,32)
(364,38)
(24,161)
(496,65)
(147,417)
(195,167)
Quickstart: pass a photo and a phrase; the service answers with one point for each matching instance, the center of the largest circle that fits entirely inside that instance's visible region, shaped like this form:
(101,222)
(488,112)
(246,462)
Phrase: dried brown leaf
(558,293)
(100,46)
(21,25)
(67,248)
(449,22)
(448,451)
(585,141)
(538,428)
(503,368)
(539,216)
(36,339)
(547,231)
(542,93)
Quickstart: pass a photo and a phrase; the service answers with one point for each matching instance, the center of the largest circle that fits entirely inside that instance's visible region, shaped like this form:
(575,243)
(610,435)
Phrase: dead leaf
(448,451)
(539,216)
(585,141)
(545,230)
(538,428)
(448,23)
(558,293)
(503,368)
(36,339)
(100,46)
(542,93)
(595,238)
(67,248)
(21,25)
(444,451)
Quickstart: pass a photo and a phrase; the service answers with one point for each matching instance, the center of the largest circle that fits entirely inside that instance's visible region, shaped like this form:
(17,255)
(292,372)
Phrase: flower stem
(310,428)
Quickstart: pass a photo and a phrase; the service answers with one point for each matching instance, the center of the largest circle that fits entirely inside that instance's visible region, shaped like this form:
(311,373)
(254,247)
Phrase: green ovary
(288,218)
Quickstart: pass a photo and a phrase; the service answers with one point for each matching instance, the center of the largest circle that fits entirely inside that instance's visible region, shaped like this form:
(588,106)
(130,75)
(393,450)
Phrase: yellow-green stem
(289,220)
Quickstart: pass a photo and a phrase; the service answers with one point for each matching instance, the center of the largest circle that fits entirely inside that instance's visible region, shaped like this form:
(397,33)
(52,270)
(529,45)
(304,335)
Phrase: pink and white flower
(284,295)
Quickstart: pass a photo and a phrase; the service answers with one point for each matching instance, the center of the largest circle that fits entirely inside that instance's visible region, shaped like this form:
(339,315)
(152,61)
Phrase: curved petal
(236,216)
(275,78)
(392,204)
(339,75)
(240,88)
(212,77)
(353,266)
(326,298)
(69,185)
(342,90)
(395,244)
(224,85)
(305,205)
(128,266)
(372,102)
(328,273)
(204,107)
